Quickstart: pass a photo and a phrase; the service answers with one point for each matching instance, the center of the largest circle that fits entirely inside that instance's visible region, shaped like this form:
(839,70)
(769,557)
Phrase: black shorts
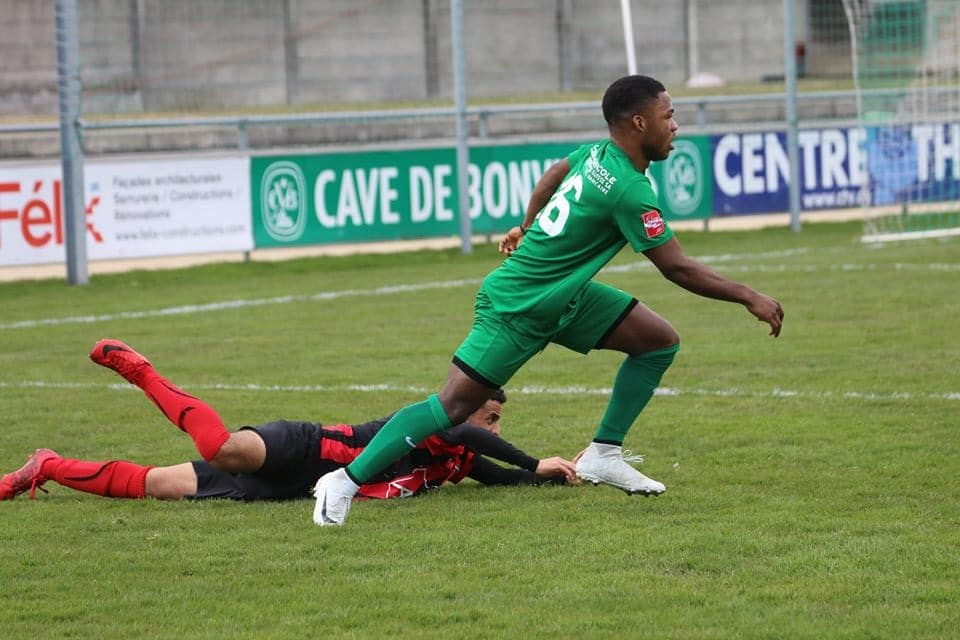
(290,470)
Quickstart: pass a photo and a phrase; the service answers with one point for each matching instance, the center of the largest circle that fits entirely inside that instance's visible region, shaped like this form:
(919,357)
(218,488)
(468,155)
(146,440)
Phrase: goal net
(906,71)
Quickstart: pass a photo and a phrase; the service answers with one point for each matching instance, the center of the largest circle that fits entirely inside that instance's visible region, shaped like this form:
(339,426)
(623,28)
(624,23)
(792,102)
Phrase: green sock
(637,378)
(411,424)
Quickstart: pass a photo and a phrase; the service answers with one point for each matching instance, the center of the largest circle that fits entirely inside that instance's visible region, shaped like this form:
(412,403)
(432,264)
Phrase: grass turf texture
(812,481)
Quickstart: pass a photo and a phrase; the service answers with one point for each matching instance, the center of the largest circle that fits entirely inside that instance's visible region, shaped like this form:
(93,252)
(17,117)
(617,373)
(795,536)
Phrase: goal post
(906,72)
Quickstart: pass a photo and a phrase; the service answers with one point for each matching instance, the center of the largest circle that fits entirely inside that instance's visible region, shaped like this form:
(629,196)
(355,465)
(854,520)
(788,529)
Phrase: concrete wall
(28,58)
(163,55)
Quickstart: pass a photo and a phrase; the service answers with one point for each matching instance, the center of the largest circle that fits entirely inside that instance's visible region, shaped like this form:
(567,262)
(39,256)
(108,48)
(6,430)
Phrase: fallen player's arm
(484,443)
(487,472)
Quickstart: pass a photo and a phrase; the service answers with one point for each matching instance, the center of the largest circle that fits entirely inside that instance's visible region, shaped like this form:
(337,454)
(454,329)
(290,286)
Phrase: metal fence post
(71,154)
(460,102)
(790,78)
(626,17)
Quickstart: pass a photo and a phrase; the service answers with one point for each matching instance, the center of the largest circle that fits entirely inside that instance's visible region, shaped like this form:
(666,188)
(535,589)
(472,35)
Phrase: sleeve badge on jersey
(653,223)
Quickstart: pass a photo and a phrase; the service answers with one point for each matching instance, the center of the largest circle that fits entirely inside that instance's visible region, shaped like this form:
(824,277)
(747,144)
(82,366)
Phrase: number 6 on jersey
(552,226)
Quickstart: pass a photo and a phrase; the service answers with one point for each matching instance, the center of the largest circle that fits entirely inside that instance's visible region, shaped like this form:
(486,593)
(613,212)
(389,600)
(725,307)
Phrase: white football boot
(334,492)
(606,463)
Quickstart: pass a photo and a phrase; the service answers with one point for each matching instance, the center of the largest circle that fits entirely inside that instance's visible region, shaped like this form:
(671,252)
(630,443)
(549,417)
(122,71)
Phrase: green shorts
(499,344)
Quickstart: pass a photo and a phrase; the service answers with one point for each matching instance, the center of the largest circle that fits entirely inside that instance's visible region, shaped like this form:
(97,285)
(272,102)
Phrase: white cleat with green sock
(606,463)
(334,492)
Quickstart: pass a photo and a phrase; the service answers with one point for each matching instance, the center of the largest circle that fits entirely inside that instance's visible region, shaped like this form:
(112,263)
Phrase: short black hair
(499,396)
(629,95)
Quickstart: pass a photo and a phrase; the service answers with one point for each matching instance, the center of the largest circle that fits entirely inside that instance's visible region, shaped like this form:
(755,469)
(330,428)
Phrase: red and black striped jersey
(448,456)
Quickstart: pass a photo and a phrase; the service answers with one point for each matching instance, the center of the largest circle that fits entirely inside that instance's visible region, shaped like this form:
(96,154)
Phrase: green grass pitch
(813,481)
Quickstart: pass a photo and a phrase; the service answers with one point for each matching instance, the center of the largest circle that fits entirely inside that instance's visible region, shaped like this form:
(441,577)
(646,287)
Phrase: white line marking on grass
(806,268)
(450,284)
(329,295)
(725,257)
(845,267)
(534,390)
(237,304)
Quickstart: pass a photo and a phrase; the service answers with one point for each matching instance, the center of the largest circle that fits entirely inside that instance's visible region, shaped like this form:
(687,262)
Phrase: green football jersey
(602,204)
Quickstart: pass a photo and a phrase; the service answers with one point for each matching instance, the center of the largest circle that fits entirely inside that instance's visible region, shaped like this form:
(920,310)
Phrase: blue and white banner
(839,167)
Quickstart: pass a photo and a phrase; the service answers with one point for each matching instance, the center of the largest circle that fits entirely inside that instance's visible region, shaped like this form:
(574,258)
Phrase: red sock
(192,415)
(114,479)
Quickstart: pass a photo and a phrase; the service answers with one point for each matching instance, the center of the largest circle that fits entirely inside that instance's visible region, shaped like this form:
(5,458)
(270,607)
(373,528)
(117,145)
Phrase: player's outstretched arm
(697,278)
(490,473)
(556,466)
(542,192)
(484,443)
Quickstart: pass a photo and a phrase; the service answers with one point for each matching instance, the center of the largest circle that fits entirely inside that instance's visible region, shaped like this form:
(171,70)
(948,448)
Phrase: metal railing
(481,115)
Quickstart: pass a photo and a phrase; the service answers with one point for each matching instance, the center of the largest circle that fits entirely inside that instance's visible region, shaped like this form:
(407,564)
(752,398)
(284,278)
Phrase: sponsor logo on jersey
(653,223)
(597,174)
(398,489)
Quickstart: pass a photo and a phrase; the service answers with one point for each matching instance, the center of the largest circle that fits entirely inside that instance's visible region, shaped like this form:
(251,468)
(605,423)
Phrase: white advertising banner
(134,209)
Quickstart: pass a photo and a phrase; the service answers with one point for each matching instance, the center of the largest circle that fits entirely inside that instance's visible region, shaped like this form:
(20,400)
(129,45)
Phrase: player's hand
(556,466)
(768,310)
(511,241)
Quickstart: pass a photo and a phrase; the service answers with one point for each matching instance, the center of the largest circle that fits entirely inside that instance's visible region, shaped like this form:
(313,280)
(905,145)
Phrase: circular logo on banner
(283,206)
(683,175)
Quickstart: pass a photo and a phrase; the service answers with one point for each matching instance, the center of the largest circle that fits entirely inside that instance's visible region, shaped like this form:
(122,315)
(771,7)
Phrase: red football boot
(116,355)
(26,477)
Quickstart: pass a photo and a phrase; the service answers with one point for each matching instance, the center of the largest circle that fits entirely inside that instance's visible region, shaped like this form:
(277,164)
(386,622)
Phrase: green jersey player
(582,212)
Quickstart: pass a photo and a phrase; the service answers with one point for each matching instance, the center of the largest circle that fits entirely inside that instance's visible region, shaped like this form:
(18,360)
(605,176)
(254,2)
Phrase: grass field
(813,481)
